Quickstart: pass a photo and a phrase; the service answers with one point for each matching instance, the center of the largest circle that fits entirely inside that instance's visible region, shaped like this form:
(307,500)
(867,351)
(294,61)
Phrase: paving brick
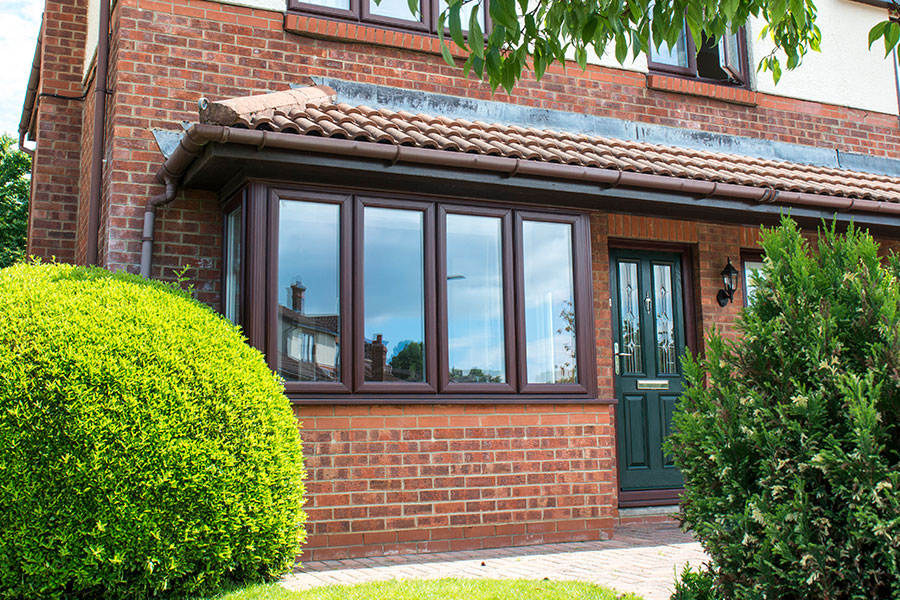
(642,559)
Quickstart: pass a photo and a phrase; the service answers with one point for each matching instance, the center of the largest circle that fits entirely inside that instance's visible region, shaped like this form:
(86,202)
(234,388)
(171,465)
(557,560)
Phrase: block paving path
(643,559)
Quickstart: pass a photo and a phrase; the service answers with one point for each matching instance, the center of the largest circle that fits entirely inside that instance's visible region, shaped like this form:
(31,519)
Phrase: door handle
(648,304)
(616,355)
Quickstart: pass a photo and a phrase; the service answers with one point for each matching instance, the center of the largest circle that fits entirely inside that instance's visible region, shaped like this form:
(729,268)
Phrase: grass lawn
(438,589)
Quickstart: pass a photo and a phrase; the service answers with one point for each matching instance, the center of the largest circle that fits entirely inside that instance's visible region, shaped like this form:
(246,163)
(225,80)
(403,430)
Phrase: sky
(21,21)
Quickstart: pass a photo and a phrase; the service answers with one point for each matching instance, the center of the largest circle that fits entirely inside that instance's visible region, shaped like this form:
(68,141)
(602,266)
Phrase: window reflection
(344,4)
(666,351)
(676,56)
(475,300)
(394,327)
(397,9)
(233,266)
(752,269)
(549,302)
(309,291)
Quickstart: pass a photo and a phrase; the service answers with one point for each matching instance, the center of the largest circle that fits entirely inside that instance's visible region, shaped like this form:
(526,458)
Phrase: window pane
(666,359)
(394,295)
(630,318)
(465,14)
(397,9)
(751,268)
(676,57)
(309,321)
(475,299)
(549,302)
(344,4)
(233,266)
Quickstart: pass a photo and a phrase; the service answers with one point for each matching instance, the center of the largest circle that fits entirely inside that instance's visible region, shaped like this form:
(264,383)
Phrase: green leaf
(504,13)
(456,31)
(476,36)
(445,49)
(590,27)
(540,62)
(413,7)
(621,48)
(891,36)
(494,64)
(581,57)
(777,10)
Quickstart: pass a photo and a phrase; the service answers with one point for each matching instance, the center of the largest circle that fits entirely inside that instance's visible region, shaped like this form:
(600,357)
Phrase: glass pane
(394,295)
(732,52)
(309,324)
(465,14)
(630,317)
(676,57)
(549,302)
(751,268)
(475,300)
(666,359)
(344,4)
(397,9)
(233,266)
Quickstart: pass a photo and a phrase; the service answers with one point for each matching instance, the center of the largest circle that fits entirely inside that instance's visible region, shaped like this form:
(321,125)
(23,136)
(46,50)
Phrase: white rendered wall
(845,72)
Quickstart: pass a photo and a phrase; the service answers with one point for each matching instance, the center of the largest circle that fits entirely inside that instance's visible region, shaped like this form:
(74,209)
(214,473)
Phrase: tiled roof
(315,111)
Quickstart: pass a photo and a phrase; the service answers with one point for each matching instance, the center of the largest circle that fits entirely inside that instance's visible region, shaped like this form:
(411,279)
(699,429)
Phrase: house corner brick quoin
(477,300)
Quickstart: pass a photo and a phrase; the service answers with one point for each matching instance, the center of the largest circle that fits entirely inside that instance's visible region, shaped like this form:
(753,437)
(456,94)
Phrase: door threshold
(640,498)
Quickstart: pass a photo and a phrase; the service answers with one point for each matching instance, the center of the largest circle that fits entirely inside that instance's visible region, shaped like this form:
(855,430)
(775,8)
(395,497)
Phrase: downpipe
(153,203)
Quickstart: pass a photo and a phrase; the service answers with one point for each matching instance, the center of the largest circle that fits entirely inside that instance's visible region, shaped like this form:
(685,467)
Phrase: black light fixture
(730,281)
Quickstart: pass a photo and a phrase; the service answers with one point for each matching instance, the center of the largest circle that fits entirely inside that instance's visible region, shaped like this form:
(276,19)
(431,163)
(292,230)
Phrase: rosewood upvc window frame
(509,309)
(360,13)
(742,79)
(273,198)
(260,304)
(361,386)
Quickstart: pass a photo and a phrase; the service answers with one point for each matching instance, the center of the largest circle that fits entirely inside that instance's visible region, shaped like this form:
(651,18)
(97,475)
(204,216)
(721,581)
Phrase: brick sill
(692,87)
(357,32)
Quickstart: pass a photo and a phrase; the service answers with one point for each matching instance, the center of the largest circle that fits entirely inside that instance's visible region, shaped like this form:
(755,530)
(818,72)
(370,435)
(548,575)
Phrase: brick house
(477,301)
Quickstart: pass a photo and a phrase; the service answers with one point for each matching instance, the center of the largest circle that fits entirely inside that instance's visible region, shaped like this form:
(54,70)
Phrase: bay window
(367,297)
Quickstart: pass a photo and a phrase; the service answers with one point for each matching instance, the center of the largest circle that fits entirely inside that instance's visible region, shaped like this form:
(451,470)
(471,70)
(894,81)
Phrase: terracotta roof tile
(316,111)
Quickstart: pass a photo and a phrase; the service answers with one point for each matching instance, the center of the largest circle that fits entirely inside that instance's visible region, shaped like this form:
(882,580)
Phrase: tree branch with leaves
(534,34)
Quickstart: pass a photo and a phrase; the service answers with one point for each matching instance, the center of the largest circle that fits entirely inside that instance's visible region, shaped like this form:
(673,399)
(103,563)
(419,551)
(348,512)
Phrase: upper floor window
(722,62)
(370,295)
(389,13)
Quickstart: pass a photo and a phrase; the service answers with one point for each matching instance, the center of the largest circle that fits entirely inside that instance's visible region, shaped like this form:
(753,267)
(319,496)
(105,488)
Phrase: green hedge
(144,447)
(789,439)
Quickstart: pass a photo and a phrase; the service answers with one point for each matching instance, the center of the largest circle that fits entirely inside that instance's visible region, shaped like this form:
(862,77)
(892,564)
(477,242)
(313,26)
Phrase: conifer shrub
(788,438)
(145,449)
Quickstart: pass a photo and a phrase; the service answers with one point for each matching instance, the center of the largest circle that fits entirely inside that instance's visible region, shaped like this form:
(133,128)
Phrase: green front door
(648,334)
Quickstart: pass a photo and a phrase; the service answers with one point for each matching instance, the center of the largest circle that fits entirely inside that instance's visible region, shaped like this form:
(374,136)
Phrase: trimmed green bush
(788,439)
(144,447)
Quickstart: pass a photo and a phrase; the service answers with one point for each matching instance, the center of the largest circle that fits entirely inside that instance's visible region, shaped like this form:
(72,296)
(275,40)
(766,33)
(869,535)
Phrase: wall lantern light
(730,281)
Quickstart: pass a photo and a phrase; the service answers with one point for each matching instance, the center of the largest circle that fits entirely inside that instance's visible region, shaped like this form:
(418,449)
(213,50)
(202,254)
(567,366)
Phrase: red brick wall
(56,167)
(401,479)
(84,181)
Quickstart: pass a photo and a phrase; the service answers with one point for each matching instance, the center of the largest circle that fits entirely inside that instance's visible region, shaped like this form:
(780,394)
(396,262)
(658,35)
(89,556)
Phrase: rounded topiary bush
(789,438)
(144,447)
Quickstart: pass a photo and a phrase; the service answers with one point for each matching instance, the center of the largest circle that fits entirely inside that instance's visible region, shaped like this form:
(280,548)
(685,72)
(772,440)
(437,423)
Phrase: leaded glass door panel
(648,335)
